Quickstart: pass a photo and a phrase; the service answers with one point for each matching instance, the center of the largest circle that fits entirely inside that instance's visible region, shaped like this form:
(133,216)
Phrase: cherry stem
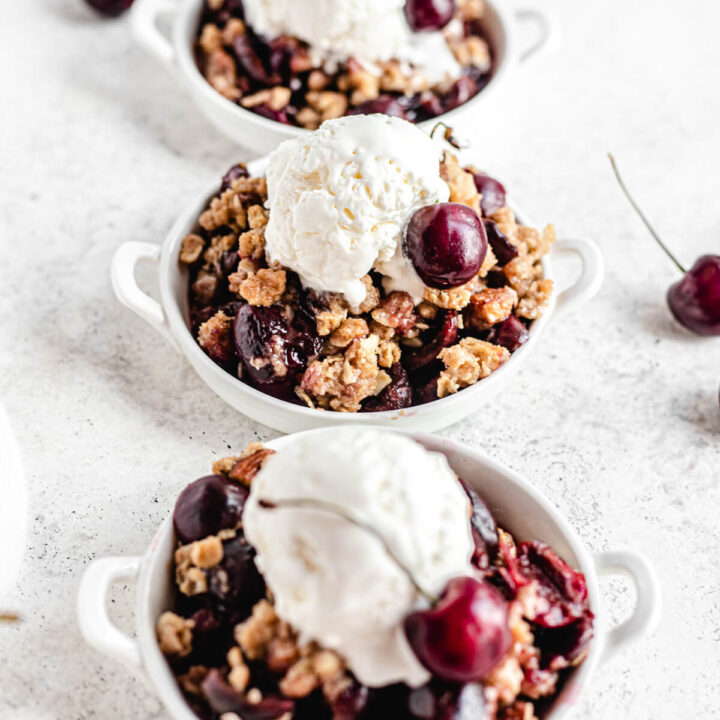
(448,136)
(333,509)
(642,216)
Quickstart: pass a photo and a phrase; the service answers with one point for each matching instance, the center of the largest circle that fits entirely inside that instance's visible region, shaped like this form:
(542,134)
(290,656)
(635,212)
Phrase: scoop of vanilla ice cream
(339,198)
(371,31)
(334,581)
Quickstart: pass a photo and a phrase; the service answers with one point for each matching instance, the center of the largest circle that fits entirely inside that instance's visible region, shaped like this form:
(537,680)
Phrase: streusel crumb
(491,306)
(329,319)
(264,288)
(191,680)
(467,362)
(276,98)
(350,329)
(453,299)
(191,249)
(215,336)
(535,300)
(461,183)
(251,244)
(396,311)
(175,634)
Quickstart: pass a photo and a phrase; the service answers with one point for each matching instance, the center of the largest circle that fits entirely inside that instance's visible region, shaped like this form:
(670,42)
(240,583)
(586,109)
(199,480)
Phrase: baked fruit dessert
(301,63)
(367,271)
(383,591)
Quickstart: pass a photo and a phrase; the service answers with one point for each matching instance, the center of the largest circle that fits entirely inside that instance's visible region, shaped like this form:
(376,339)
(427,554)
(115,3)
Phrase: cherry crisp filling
(231,653)
(260,324)
(278,79)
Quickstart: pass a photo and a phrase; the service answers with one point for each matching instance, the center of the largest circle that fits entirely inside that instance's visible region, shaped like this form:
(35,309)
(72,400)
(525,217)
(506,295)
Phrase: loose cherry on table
(446,243)
(111,8)
(695,299)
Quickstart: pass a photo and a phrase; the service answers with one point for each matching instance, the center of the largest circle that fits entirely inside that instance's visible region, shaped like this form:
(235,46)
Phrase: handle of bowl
(144,17)
(127,291)
(648,603)
(547,31)
(591,275)
(95,625)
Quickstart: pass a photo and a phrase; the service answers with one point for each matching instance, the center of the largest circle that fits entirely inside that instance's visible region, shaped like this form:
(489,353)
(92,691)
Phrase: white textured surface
(616,418)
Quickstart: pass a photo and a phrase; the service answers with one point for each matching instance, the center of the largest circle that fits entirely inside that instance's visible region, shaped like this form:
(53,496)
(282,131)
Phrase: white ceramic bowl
(171,318)
(261,134)
(514,502)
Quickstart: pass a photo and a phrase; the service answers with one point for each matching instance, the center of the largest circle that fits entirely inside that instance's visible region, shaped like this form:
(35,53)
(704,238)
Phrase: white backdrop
(616,418)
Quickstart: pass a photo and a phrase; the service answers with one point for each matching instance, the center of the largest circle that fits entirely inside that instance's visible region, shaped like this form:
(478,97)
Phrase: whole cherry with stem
(695,299)
(464,633)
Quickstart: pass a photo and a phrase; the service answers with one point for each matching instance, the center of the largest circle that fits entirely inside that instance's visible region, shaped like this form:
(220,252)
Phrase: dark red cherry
(236,579)
(460,92)
(446,243)
(445,336)
(695,300)
(510,333)
(484,528)
(111,8)
(223,699)
(234,173)
(465,635)
(395,396)
(272,347)
(208,505)
(501,246)
(383,104)
(492,191)
(429,14)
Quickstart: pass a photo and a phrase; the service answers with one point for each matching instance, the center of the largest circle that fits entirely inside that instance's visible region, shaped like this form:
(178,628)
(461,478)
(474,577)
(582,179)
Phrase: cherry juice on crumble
(282,79)
(498,643)
(256,320)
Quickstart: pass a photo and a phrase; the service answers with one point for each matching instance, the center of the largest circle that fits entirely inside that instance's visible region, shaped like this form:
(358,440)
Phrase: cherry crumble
(278,78)
(258,322)
(499,644)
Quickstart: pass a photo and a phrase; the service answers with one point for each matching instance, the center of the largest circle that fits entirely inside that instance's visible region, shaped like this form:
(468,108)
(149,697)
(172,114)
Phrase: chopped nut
(226,209)
(210,38)
(460,181)
(535,300)
(276,98)
(491,306)
(427,310)
(318,80)
(224,465)
(327,104)
(308,118)
(206,553)
(264,288)
(233,28)
(174,634)
(255,634)
(364,85)
(191,580)
(249,463)
(467,362)
(192,247)
(300,680)
(396,311)
(221,73)
(281,654)
(239,675)
(472,50)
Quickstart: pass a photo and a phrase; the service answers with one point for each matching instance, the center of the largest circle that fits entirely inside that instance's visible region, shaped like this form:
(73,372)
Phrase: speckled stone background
(616,418)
